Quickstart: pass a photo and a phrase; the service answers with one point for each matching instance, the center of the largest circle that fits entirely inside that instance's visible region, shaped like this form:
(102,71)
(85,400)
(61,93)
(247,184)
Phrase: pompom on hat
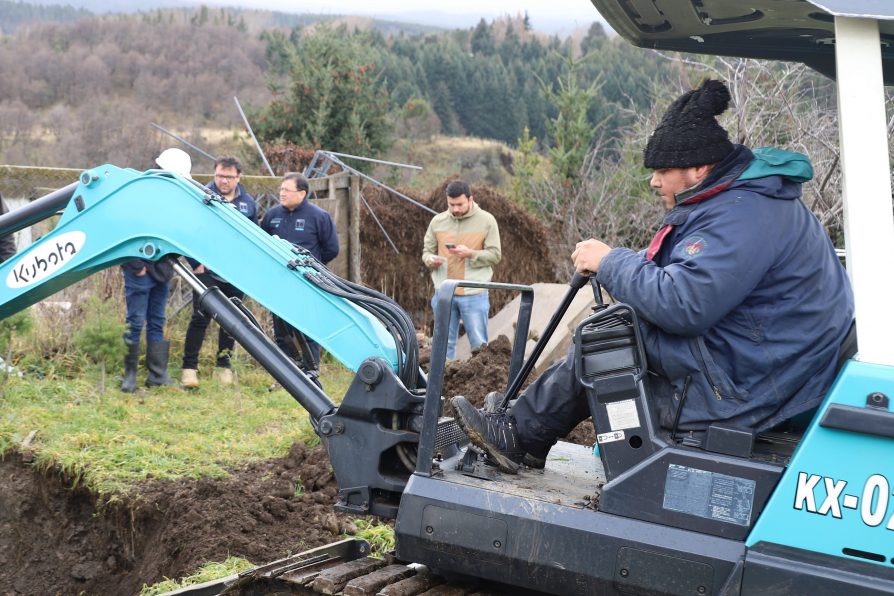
(689,134)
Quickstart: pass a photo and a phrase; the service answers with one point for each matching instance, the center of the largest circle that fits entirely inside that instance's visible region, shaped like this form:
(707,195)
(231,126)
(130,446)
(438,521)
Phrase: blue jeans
(473,311)
(146,299)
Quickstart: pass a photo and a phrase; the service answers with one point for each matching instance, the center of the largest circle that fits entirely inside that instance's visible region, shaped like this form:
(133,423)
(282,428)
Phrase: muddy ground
(58,540)
(55,539)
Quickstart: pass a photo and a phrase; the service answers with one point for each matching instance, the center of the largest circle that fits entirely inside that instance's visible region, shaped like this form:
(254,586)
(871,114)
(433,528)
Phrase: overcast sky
(550,15)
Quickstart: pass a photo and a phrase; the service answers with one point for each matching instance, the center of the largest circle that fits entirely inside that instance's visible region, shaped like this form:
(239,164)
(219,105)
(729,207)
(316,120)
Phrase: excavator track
(342,568)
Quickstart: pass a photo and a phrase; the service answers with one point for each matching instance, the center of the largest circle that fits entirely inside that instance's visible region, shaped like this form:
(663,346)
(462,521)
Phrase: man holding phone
(463,243)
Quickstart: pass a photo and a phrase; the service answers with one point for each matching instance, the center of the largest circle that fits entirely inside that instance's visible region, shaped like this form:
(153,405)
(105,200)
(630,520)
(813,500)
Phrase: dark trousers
(198,324)
(145,299)
(550,407)
(282,334)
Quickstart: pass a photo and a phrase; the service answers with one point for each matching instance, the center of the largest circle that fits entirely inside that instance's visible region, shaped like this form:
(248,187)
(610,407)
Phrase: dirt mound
(487,370)
(52,541)
(402,276)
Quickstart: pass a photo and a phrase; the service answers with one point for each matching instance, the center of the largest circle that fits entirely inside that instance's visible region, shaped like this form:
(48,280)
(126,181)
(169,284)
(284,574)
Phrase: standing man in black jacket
(302,223)
(227,171)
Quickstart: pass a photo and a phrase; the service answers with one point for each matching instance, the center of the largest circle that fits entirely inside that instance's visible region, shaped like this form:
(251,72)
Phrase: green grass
(208,572)
(109,441)
(380,536)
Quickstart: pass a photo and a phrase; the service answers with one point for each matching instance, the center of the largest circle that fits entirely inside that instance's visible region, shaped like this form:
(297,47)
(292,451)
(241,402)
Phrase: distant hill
(15,14)
(107,6)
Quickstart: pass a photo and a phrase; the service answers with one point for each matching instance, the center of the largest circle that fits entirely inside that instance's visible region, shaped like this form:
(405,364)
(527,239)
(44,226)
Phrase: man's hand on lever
(588,255)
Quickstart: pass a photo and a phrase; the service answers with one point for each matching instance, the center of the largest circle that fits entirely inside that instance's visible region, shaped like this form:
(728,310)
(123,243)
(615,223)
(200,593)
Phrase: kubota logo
(45,259)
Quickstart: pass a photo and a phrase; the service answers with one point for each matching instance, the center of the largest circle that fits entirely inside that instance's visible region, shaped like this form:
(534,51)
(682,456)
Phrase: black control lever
(597,294)
(577,282)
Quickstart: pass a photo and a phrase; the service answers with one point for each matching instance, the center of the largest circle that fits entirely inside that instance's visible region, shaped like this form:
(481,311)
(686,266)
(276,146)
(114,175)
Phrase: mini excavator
(801,512)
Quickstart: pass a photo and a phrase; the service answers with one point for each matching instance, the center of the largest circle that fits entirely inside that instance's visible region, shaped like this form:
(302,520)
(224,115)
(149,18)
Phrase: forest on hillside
(85,92)
(575,112)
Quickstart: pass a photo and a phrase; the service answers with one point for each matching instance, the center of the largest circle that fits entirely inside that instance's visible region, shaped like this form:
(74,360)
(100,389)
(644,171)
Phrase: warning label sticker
(709,494)
(622,414)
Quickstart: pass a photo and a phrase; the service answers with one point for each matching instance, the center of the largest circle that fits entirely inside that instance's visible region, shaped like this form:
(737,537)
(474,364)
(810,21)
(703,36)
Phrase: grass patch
(208,572)
(380,536)
(109,441)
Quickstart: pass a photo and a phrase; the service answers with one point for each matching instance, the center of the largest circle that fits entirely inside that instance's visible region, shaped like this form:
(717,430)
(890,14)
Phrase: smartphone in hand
(450,245)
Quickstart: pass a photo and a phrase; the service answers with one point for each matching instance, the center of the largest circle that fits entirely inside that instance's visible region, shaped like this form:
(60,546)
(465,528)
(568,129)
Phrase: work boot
(224,376)
(189,378)
(493,432)
(491,402)
(129,381)
(157,363)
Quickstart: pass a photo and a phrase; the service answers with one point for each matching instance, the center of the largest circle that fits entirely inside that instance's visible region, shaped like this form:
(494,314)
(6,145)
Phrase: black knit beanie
(688,134)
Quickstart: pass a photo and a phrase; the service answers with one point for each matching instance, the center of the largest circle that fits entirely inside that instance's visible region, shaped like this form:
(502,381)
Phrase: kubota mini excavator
(802,513)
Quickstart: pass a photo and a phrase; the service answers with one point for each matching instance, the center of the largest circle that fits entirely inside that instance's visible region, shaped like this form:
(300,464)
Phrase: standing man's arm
(491,254)
(328,238)
(265,221)
(253,215)
(430,250)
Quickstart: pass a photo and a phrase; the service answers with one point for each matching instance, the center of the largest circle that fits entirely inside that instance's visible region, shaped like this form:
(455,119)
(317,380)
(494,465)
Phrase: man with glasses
(226,184)
(304,224)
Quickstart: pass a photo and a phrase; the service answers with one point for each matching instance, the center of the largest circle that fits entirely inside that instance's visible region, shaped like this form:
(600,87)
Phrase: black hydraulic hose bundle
(379,305)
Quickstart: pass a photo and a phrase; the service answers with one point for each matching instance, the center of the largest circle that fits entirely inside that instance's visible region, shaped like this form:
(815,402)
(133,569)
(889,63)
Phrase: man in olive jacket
(463,243)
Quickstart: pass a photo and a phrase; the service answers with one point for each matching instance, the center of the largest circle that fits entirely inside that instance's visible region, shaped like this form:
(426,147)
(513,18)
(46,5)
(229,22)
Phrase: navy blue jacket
(307,226)
(245,204)
(744,295)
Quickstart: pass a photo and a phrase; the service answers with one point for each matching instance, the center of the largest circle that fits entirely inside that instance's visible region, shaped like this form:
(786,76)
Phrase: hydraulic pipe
(279,365)
(37,210)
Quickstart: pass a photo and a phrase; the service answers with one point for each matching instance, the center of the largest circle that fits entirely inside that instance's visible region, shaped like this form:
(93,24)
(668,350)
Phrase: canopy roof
(794,30)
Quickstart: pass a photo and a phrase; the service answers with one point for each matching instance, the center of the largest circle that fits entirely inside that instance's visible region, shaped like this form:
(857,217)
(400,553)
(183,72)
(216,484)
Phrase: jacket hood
(776,173)
(468,213)
(769,161)
(772,172)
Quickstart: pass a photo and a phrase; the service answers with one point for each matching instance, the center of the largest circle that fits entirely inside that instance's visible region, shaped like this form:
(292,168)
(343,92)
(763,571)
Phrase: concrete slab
(547,298)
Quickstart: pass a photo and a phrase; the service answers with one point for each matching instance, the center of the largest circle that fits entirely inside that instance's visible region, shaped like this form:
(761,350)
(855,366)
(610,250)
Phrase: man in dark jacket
(146,286)
(227,171)
(302,223)
(740,294)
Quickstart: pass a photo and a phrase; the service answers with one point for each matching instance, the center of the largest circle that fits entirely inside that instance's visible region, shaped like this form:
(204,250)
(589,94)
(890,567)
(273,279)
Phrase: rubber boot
(157,363)
(129,381)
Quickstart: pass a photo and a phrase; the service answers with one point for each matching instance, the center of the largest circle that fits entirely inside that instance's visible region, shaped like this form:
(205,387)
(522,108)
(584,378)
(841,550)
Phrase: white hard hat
(175,160)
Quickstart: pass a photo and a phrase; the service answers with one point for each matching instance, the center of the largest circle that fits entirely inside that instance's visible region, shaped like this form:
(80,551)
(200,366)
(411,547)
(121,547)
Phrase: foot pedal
(474,464)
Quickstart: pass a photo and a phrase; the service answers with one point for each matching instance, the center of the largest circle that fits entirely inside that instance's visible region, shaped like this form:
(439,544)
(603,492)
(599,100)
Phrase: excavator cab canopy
(790,30)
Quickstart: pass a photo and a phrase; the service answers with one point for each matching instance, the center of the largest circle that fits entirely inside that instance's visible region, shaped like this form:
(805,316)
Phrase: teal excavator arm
(113,215)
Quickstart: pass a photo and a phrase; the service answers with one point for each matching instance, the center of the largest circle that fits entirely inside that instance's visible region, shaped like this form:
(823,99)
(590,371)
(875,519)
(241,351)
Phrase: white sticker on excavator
(45,259)
(611,437)
(622,414)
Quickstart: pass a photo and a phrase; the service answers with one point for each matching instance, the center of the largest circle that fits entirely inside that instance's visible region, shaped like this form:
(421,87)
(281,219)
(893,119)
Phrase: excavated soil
(53,541)
(401,274)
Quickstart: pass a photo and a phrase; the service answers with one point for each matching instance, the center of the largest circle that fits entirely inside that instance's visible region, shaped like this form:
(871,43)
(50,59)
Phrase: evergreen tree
(571,131)
(483,39)
(335,100)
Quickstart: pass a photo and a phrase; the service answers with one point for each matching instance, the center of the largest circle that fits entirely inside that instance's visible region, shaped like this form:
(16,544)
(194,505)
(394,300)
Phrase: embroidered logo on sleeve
(693,246)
